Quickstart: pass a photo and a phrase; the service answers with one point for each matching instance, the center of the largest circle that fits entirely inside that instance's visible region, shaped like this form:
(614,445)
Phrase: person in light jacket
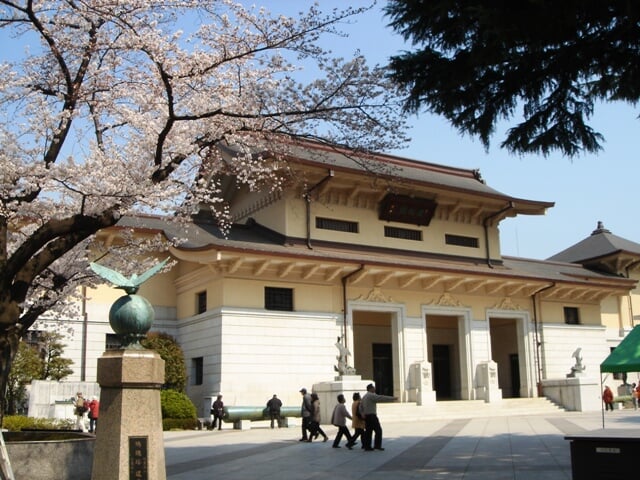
(339,419)
(357,421)
(80,409)
(315,428)
(368,407)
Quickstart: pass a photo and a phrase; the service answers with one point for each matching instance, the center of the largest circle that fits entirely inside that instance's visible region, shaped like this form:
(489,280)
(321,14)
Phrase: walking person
(80,408)
(273,406)
(217,412)
(357,420)
(635,395)
(339,419)
(368,407)
(607,398)
(94,411)
(315,429)
(306,411)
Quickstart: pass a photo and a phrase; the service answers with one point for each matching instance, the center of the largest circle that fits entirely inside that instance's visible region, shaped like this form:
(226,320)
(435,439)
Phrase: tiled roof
(403,169)
(255,239)
(599,244)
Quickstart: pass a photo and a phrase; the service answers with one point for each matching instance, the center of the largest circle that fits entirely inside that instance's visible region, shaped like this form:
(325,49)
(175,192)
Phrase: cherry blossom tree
(112,107)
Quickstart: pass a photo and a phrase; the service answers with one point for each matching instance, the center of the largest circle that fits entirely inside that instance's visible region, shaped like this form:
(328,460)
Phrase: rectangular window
(197,371)
(571,316)
(403,233)
(460,240)
(201,302)
(112,342)
(406,209)
(278,299)
(616,376)
(337,225)
(33,338)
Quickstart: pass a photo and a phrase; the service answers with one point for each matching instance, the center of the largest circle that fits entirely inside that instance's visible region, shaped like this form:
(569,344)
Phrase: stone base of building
(578,394)
(329,391)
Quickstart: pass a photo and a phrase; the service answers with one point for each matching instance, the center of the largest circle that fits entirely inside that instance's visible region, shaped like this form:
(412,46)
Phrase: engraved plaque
(138,458)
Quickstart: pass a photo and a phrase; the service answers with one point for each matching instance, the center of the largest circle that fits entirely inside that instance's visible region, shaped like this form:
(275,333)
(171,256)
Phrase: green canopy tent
(625,358)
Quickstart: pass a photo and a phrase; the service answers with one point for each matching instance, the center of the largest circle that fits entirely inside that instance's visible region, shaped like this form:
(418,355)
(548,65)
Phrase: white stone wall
(263,353)
(559,341)
(49,399)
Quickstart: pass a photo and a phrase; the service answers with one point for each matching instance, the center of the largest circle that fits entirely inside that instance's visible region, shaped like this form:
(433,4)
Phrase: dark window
(405,209)
(337,225)
(33,338)
(571,316)
(278,299)
(616,376)
(403,233)
(112,342)
(201,302)
(460,240)
(196,365)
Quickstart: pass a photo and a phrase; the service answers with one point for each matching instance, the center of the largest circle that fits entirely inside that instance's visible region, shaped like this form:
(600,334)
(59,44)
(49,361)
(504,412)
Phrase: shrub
(175,369)
(176,405)
(17,423)
(180,424)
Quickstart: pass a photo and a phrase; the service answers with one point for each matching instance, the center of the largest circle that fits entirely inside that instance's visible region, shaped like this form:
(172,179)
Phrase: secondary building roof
(602,250)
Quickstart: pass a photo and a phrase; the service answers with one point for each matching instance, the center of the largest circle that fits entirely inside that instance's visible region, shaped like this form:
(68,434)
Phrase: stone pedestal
(488,389)
(129,440)
(420,389)
(579,394)
(328,393)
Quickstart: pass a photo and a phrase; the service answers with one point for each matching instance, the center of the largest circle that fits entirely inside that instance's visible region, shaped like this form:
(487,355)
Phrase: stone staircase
(398,412)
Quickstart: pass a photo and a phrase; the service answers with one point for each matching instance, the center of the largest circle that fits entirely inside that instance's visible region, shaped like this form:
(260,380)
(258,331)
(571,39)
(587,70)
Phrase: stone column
(129,442)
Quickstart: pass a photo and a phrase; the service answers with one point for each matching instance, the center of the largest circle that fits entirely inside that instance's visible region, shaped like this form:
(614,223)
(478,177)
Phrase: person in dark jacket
(273,406)
(306,410)
(217,412)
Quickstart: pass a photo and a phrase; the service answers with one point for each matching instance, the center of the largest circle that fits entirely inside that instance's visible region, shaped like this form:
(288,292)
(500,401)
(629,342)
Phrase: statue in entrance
(343,367)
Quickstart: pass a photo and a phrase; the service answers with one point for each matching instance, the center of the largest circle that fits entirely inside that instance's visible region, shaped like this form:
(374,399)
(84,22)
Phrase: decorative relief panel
(507,304)
(375,295)
(447,300)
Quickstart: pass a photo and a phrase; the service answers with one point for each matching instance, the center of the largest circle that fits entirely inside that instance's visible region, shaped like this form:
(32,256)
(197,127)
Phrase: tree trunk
(9,340)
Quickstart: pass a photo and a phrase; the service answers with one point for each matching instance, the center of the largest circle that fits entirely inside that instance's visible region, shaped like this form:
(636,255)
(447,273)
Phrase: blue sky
(585,190)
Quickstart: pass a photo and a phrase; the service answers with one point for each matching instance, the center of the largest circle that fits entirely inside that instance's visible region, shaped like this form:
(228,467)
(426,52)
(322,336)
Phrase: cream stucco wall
(553,312)
(288,216)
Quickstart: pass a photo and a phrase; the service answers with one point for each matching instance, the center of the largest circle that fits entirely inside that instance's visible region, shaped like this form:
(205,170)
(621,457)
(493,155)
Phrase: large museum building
(398,259)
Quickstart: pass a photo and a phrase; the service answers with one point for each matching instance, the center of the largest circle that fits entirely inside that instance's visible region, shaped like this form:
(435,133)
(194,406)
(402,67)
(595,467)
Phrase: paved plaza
(518,447)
